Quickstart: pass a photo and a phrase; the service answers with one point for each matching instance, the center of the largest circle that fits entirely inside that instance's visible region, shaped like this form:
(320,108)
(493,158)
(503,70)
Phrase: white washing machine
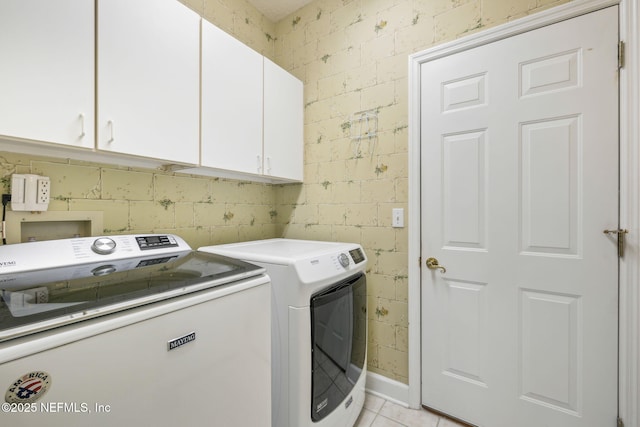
(132,330)
(319,328)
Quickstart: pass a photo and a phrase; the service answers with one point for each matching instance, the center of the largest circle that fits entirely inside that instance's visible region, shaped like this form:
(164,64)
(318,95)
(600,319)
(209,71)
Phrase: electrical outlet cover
(30,192)
(43,185)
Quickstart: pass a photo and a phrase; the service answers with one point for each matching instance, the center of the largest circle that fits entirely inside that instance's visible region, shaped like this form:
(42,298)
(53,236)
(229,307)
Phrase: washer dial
(103,246)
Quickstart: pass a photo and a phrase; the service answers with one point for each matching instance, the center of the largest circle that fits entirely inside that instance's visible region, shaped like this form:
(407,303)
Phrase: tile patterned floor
(378,412)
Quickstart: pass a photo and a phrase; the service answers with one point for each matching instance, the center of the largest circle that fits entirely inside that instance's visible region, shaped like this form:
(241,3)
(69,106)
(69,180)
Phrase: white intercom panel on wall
(30,192)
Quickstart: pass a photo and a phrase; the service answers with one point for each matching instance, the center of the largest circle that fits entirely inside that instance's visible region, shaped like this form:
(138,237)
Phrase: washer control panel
(47,254)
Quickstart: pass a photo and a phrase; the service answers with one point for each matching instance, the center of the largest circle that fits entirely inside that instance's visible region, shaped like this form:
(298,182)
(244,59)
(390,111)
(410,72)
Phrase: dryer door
(339,339)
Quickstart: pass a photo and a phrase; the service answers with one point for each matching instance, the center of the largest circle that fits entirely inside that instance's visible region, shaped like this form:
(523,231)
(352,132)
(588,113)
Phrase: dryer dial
(344,260)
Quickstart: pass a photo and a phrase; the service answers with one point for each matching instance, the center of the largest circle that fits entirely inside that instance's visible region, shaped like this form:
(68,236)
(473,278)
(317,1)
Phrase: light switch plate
(30,192)
(397,217)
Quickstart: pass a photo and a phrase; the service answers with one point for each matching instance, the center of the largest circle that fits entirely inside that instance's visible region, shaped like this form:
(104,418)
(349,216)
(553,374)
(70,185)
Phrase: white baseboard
(387,389)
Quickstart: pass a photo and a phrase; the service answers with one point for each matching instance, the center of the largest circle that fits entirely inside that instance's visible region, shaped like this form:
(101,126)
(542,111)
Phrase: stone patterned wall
(353,56)
(204,211)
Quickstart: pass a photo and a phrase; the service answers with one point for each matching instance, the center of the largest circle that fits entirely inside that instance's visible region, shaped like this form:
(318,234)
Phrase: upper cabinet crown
(148,79)
(47,71)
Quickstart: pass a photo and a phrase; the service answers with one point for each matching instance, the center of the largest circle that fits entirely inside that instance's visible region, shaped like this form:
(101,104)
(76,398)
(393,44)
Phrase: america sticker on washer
(28,388)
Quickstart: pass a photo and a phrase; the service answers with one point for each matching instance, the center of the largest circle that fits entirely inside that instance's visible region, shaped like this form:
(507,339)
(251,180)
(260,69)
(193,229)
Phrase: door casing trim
(629,311)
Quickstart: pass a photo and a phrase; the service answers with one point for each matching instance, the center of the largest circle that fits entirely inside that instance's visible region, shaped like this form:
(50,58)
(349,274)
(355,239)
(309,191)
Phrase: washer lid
(38,300)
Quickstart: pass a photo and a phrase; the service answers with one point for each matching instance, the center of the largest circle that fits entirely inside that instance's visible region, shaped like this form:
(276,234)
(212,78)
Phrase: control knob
(344,260)
(103,270)
(103,246)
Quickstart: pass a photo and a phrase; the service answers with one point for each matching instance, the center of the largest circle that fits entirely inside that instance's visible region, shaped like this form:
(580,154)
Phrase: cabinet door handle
(268,165)
(259,163)
(82,134)
(110,123)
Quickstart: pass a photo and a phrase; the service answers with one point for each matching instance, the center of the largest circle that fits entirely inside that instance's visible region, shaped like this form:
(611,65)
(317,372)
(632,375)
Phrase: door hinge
(620,233)
(621,56)
(420,262)
(620,422)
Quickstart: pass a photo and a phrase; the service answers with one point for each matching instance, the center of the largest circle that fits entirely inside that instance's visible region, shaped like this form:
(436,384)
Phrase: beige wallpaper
(203,211)
(352,57)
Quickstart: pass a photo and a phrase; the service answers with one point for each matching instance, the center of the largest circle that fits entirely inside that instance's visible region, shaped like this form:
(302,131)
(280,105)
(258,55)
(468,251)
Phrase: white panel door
(232,87)
(283,123)
(47,71)
(519,180)
(149,79)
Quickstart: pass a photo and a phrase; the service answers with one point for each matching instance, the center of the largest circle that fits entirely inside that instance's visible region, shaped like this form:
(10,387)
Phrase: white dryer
(319,328)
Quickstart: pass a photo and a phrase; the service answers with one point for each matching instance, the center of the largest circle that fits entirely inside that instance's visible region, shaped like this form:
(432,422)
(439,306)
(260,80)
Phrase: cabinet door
(231,103)
(148,79)
(283,123)
(47,71)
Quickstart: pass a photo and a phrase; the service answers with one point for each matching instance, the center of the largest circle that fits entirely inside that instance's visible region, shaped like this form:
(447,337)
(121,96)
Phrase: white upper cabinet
(231,103)
(152,82)
(283,123)
(148,79)
(47,71)
(251,111)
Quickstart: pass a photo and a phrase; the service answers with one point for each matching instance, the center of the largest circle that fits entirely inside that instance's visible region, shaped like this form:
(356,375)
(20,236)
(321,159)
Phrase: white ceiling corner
(275,10)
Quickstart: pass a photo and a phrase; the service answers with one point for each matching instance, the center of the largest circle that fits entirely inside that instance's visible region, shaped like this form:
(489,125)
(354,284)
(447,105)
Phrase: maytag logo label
(348,402)
(8,263)
(179,342)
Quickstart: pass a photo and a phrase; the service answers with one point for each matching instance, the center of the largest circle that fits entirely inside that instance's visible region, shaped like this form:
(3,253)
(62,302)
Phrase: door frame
(629,274)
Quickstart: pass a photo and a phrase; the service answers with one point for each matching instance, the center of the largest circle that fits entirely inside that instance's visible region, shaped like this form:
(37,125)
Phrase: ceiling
(275,10)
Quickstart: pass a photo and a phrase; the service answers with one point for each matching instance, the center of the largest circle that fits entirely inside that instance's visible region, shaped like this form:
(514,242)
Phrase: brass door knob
(432,264)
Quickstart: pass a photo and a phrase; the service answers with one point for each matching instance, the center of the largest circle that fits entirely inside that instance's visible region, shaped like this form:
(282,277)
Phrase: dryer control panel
(315,263)
(357,255)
